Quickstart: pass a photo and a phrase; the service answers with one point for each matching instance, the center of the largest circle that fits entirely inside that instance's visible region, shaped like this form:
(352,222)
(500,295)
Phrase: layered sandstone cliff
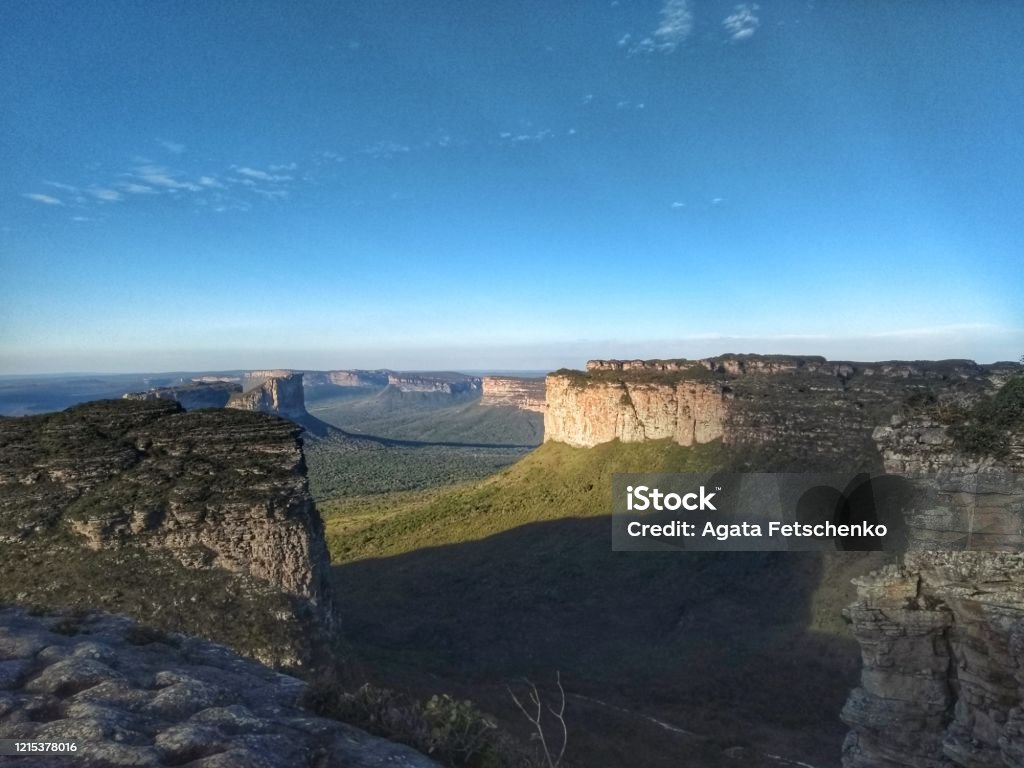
(199,394)
(804,406)
(353,378)
(448,384)
(513,392)
(149,489)
(278,392)
(942,635)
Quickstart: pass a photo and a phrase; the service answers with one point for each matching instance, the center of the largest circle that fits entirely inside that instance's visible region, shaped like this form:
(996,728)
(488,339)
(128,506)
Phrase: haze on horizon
(444,185)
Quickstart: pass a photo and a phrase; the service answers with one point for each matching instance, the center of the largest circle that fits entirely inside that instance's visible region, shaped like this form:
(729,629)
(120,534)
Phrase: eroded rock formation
(200,394)
(800,405)
(130,696)
(278,392)
(448,384)
(347,378)
(942,635)
(513,392)
(212,490)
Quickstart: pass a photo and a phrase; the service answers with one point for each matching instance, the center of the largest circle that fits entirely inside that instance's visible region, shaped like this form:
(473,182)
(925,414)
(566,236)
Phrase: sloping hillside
(469,588)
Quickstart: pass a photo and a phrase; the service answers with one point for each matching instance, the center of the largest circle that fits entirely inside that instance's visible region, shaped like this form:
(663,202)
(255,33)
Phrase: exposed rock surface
(800,405)
(509,391)
(201,394)
(942,636)
(219,490)
(133,697)
(347,378)
(448,384)
(278,392)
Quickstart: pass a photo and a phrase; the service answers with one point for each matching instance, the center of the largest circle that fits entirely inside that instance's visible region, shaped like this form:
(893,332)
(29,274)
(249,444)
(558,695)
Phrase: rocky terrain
(378,379)
(278,392)
(132,696)
(942,635)
(105,495)
(200,394)
(448,384)
(512,392)
(803,407)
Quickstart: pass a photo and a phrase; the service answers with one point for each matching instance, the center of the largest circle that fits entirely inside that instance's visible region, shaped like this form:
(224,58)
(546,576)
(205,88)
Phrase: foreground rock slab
(131,696)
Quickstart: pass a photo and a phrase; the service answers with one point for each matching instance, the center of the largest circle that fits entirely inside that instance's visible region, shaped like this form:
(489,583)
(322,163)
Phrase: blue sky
(198,185)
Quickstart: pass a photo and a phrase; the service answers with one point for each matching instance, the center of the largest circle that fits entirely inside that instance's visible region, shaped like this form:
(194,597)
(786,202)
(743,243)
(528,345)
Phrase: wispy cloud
(159,176)
(59,185)
(41,198)
(255,173)
(386,149)
(676,24)
(106,195)
(137,189)
(171,146)
(743,22)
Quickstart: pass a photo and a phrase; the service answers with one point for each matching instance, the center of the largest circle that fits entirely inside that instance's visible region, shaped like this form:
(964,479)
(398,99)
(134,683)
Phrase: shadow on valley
(744,650)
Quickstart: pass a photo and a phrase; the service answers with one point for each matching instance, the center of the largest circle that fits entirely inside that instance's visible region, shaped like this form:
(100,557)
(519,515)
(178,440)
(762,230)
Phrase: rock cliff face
(278,392)
(221,491)
(130,696)
(525,394)
(444,384)
(347,378)
(942,635)
(799,405)
(206,394)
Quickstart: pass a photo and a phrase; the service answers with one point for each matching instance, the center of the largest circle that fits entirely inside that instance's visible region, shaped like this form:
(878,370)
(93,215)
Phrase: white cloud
(59,185)
(210,181)
(386,149)
(284,167)
(40,198)
(160,177)
(743,22)
(137,189)
(171,146)
(676,25)
(255,173)
(106,195)
(678,205)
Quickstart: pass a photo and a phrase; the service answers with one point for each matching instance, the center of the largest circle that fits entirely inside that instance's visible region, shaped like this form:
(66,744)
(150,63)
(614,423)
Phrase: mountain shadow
(745,651)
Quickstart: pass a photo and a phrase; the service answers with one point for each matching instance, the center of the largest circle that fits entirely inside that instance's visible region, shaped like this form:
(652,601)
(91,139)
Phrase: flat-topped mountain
(513,392)
(801,406)
(197,394)
(146,509)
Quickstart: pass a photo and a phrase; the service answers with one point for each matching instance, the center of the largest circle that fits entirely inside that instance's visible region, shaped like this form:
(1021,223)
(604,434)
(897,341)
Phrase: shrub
(991,420)
(453,732)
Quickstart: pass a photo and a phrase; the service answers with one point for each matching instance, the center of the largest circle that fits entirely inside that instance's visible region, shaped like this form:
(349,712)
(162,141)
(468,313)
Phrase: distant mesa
(277,392)
(356,378)
(513,392)
(444,383)
(203,393)
(797,404)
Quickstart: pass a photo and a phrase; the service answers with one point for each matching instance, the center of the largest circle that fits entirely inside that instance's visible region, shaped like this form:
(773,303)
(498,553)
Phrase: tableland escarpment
(197,521)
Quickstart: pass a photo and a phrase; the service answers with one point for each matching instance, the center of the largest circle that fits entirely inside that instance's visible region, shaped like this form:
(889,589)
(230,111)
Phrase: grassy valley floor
(669,658)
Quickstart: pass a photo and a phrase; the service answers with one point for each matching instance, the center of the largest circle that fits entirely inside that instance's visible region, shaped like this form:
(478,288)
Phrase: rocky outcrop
(801,406)
(513,392)
(213,490)
(277,392)
(942,635)
(448,384)
(201,394)
(369,379)
(587,413)
(131,696)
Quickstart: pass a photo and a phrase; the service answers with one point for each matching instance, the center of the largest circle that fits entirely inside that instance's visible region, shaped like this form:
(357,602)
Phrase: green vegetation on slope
(426,417)
(340,468)
(990,421)
(554,481)
(465,589)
